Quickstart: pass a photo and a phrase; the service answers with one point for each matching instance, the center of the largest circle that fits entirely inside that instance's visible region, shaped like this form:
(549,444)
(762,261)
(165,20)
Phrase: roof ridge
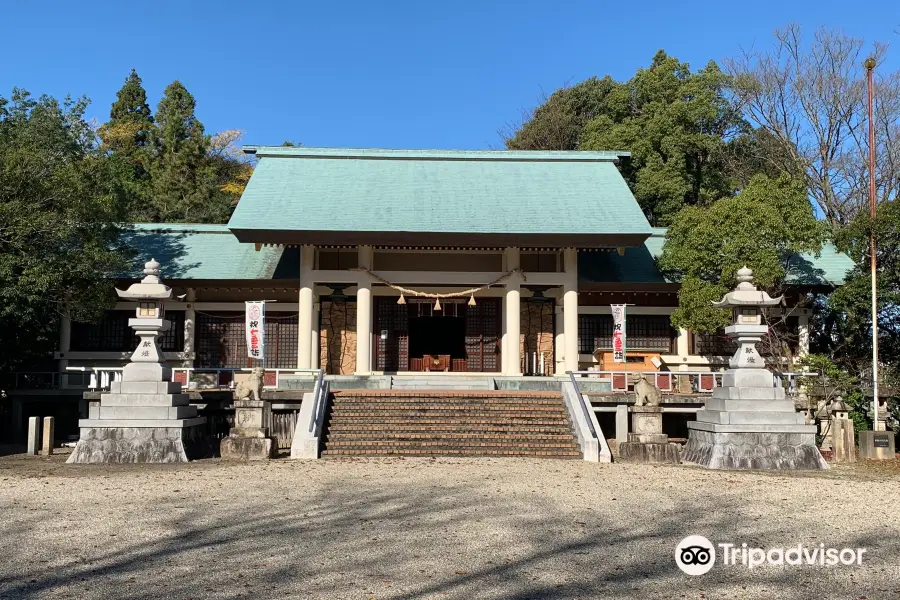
(436,153)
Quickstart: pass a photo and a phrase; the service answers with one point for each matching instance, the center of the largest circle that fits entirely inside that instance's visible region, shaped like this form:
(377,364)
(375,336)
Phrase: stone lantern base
(142,421)
(750,424)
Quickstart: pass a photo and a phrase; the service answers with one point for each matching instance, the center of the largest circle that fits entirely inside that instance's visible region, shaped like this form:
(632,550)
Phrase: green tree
(130,121)
(682,129)
(677,126)
(847,325)
(761,228)
(184,181)
(557,124)
(126,136)
(62,206)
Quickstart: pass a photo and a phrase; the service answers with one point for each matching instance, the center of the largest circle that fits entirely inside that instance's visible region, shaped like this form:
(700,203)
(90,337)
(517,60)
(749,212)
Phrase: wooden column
(190,328)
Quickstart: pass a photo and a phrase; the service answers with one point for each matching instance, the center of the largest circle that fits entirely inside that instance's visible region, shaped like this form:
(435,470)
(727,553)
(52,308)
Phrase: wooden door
(483,336)
(391,354)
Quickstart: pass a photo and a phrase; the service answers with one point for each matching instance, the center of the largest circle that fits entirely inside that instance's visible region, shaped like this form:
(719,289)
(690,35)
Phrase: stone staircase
(441,382)
(448,423)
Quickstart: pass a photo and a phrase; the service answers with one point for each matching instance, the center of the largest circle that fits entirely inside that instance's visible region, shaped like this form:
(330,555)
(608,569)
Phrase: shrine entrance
(455,338)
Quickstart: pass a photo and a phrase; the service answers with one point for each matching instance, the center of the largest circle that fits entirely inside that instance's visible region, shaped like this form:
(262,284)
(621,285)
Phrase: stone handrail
(308,433)
(587,429)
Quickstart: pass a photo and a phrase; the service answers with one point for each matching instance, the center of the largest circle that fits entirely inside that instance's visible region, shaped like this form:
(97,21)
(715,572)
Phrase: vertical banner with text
(618,339)
(256,329)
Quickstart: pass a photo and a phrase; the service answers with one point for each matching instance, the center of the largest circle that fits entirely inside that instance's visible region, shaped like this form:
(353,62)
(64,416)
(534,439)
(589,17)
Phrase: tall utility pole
(870,67)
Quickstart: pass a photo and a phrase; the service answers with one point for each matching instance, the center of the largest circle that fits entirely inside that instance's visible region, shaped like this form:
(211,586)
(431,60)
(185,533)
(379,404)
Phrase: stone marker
(647,442)
(749,423)
(877,445)
(144,418)
(34,435)
(48,436)
(842,435)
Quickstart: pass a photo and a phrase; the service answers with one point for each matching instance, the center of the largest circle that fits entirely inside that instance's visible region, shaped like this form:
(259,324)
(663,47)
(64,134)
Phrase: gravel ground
(426,528)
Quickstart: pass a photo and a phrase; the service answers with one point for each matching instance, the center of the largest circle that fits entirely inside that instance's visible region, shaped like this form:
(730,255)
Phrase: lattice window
(112,333)
(221,342)
(713,344)
(643,332)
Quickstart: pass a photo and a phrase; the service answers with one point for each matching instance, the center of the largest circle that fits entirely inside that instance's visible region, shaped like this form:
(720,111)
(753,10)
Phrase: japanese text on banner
(256,329)
(618,340)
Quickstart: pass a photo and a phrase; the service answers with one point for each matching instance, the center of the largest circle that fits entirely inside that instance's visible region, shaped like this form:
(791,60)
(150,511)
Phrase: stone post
(34,435)
(570,308)
(48,436)
(364,314)
(842,438)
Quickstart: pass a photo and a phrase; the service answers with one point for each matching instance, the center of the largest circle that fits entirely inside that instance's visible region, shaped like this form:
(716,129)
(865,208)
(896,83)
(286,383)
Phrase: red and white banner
(256,329)
(618,340)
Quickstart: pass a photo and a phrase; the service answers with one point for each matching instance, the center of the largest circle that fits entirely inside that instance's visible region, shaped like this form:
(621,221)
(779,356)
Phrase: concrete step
(147,412)
(455,451)
(443,415)
(455,436)
(466,427)
(430,400)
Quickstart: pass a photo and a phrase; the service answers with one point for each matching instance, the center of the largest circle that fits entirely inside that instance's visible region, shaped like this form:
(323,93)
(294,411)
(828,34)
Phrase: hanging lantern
(472,300)
(437,304)
(402,300)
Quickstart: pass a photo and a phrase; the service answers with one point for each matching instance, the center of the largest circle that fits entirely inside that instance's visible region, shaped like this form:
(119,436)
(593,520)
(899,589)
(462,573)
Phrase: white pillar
(304,331)
(803,335)
(570,308)
(314,349)
(559,342)
(512,360)
(190,326)
(364,314)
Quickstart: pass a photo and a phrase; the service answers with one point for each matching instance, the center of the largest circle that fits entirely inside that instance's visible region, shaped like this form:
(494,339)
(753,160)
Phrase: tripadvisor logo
(696,555)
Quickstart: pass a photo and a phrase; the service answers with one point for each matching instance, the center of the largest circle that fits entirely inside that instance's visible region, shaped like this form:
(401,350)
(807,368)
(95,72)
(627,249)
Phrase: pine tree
(183,184)
(130,120)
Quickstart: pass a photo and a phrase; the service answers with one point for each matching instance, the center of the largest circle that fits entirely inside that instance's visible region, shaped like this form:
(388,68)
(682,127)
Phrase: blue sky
(394,74)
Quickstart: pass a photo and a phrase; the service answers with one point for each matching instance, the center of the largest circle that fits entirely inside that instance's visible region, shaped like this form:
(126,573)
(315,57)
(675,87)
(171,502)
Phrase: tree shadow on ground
(386,539)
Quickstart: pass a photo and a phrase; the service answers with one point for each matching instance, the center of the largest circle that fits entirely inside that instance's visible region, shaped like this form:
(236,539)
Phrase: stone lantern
(149,318)
(746,303)
(144,417)
(749,423)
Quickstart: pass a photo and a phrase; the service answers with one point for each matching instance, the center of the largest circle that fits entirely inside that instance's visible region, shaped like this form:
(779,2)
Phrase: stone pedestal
(249,438)
(877,445)
(647,442)
(751,424)
(142,422)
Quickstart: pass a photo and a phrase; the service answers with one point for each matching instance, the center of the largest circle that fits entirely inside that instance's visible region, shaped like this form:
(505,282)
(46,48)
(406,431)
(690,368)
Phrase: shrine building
(377,262)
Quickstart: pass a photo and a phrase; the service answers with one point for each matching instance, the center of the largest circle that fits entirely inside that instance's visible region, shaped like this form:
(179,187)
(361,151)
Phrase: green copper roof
(194,251)
(639,265)
(429,197)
